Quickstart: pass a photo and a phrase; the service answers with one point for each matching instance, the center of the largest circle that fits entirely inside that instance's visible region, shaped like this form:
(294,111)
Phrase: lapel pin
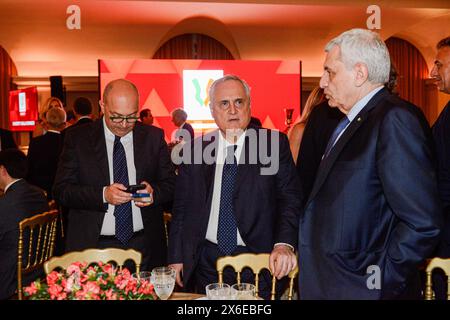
(359,119)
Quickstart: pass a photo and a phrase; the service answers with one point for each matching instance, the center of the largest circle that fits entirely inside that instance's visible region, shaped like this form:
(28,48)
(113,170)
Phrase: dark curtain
(7,71)
(193,46)
(412,72)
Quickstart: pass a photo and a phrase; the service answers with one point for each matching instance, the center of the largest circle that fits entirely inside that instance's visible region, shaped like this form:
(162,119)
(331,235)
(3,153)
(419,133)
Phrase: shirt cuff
(104,199)
(284,244)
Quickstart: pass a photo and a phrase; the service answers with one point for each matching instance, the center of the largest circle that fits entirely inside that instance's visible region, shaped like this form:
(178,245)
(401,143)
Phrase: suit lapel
(243,168)
(327,163)
(139,150)
(99,146)
(209,141)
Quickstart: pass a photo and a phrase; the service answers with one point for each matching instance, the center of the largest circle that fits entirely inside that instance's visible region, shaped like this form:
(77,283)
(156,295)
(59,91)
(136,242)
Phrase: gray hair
(363,46)
(180,114)
(228,77)
(56,118)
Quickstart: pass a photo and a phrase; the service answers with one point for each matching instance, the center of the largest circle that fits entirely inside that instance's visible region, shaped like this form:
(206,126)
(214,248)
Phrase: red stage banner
(165,85)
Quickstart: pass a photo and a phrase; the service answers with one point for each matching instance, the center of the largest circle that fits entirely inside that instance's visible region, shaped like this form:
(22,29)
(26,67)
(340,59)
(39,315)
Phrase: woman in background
(41,126)
(295,134)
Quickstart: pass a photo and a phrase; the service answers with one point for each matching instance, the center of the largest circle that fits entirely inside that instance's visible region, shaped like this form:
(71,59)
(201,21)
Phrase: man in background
(441,133)
(146,116)
(44,151)
(82,108)
(185,132)
(20,201)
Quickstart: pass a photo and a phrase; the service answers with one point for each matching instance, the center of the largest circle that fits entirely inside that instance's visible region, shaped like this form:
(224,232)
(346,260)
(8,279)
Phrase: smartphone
(135,187)
(142,197)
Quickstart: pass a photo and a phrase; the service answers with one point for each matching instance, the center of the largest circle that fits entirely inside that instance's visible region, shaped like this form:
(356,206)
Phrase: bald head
(120,106)
(120,85)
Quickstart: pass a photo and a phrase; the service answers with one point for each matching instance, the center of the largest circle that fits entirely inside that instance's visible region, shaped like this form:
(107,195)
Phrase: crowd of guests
(359,199)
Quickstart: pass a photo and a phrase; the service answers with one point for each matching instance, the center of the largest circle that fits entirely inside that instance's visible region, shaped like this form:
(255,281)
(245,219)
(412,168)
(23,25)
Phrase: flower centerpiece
(96,282)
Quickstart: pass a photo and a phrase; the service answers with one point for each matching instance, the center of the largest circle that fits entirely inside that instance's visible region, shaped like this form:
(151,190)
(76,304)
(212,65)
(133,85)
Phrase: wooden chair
(256,262)
(89,256)
(39,247)
(434,263)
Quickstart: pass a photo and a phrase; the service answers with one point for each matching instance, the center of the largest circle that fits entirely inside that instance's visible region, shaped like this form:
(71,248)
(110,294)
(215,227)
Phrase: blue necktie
(341,126)
(227,228)
(123,212)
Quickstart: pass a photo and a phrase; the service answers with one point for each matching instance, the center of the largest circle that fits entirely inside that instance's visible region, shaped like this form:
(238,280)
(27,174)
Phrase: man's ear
(361,73)
(102,106)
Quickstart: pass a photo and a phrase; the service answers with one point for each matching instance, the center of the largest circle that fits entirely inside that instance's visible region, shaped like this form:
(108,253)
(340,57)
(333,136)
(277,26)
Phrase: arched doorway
(193,46)
(412,72)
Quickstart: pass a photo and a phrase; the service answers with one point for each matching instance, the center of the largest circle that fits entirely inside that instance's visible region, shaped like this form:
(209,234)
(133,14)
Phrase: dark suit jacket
(7,140)
(318,130)
(374,204)
(20,201)
(441,134)
(266,206)
(182,135)
(43,156)
(83,172)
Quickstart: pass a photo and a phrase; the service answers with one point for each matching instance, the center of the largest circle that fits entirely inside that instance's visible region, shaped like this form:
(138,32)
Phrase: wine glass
(163,280)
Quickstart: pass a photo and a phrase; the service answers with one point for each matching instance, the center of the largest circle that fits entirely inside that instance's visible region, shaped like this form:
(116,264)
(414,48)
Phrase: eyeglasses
(119,119)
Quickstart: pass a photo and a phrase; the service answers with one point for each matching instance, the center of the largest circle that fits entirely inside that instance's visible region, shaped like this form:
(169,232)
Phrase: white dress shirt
(109,222)
(211,233)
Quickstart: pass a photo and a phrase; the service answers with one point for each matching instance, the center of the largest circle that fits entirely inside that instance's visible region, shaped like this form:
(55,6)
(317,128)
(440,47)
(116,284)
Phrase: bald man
(98,162)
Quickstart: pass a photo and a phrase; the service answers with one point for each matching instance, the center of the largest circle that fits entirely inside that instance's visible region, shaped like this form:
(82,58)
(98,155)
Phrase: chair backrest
(39,246)
(434,263)
(89,256)
(256,262)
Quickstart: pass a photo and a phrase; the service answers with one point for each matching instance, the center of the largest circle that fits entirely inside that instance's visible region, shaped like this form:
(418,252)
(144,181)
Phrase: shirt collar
(362,103)
(10,184)
(54,131)
(225,143)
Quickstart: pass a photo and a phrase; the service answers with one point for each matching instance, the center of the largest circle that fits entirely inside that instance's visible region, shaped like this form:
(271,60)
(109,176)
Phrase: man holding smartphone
(99,165)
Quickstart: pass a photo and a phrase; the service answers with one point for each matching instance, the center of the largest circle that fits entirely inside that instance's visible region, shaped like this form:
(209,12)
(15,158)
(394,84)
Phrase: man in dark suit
(83,111)
(224,206)
(320,126)
(44,151)
(441,134)
(7,140)
(20,201)
(99,160)
(373,215)
(185,132)
(146,116)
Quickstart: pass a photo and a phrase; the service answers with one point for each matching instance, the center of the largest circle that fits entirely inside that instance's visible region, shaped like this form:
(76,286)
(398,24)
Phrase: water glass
(163,280)
(218,291)
(142,276)
(243,291)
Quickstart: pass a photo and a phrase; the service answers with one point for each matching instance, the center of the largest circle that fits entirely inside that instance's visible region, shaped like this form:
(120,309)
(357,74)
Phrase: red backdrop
(275,85)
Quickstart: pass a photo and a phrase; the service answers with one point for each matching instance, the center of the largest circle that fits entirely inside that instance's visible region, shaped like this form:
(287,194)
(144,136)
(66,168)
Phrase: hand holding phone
(135,187)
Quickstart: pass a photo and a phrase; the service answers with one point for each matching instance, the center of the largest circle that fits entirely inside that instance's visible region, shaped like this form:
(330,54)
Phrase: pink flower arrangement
(97,282)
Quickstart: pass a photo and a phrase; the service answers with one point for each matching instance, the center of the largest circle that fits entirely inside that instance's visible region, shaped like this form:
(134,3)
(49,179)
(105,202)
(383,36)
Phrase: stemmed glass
(163,280)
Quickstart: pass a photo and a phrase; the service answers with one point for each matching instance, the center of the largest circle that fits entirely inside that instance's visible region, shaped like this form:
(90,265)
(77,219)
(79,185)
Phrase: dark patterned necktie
(341,126)
(227,228)
(123,212)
